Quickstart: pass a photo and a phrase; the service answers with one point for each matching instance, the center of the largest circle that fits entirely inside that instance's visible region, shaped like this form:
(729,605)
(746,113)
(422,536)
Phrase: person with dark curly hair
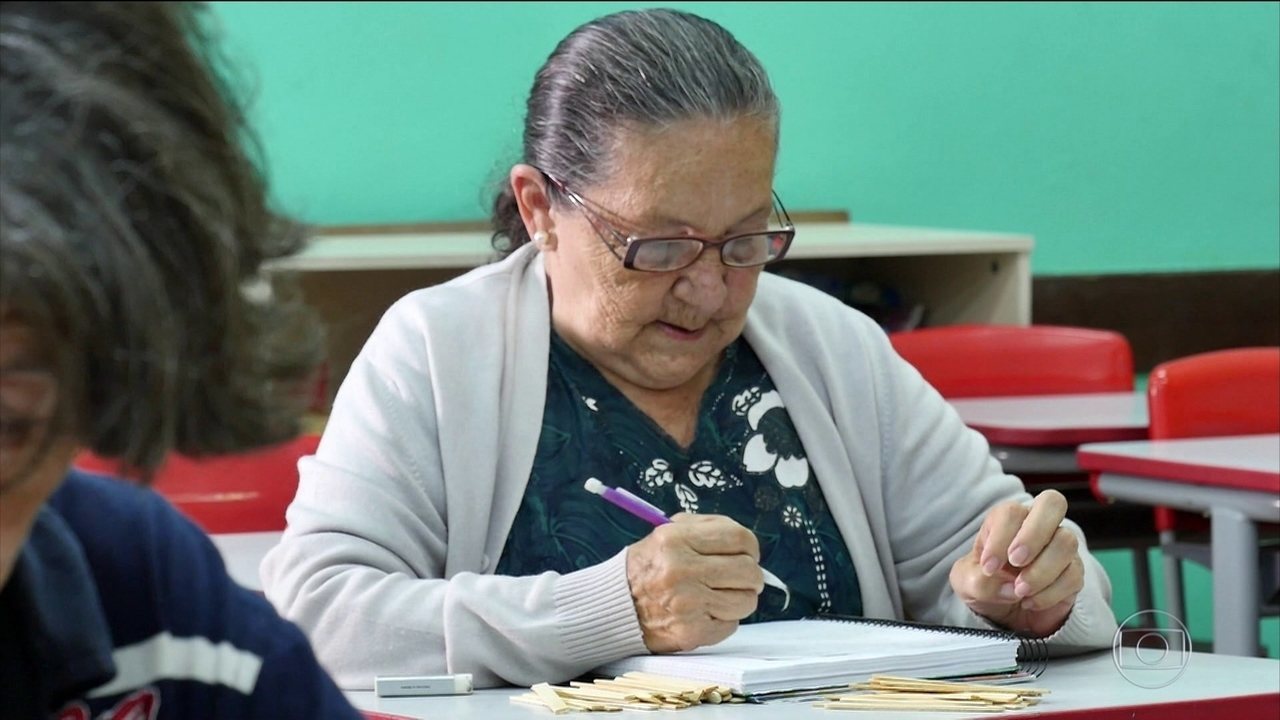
(134,322)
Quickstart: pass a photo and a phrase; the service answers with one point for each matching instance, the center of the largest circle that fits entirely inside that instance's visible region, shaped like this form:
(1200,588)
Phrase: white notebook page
(793,654)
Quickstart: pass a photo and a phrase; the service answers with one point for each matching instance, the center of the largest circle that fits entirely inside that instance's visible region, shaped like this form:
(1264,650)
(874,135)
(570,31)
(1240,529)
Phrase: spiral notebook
(790,655)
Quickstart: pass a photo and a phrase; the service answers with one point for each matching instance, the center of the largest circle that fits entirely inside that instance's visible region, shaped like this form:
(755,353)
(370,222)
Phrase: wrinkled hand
(1024,571)
(692,580)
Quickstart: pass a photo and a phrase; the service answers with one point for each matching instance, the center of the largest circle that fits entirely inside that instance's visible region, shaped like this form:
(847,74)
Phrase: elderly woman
(631,336)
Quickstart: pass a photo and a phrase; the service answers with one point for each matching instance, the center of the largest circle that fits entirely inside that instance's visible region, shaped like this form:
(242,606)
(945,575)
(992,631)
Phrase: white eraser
(416,685)
(595,486)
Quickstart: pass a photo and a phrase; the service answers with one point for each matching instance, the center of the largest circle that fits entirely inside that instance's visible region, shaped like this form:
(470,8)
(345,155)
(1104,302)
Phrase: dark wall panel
(1166,316)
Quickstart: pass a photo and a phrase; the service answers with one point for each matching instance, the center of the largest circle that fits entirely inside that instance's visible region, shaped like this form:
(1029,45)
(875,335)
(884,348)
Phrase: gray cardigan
(403,512)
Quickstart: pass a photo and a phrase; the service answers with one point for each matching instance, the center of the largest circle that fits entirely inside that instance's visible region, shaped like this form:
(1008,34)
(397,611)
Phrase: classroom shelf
(959,276)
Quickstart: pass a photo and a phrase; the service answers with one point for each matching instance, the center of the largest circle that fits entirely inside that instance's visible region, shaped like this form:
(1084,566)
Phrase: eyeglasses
(665,254)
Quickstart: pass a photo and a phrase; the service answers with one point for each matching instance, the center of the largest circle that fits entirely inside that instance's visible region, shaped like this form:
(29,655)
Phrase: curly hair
(133,228)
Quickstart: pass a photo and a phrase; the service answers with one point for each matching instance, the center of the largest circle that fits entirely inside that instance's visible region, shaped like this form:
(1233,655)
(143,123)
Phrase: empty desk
(1234,479)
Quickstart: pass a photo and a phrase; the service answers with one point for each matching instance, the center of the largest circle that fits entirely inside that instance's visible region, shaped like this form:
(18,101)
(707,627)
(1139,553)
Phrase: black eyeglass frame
(634,244)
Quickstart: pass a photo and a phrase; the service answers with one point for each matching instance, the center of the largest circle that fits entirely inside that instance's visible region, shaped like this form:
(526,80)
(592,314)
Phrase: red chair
(1005,360)
(1227,392)
(244,492)
(1009,360)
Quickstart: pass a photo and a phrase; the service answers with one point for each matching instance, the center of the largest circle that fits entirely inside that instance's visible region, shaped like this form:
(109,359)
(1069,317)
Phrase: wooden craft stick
(941,691)
(906,700)
(668,681)
(579,700)
(591,705)
(912,706)
(688,696)
(548,695)
(651,687)
(578,694)
(632,691)
(629,689)
(598,693)
(997,698)
(894,681)
(907,694)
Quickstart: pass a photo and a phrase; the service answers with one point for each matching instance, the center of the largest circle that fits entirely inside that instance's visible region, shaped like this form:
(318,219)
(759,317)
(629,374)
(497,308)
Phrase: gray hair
(131,220)
(633,69)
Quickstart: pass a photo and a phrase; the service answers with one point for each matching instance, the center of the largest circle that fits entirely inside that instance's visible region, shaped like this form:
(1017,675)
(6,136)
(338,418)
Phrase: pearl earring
(540,239)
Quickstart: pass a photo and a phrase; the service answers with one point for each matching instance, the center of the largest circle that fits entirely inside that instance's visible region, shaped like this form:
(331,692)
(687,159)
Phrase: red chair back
(1006,360)
(1227,392)
(244,492)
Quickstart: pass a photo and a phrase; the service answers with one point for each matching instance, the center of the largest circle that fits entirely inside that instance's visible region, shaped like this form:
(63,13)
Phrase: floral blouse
(746,461)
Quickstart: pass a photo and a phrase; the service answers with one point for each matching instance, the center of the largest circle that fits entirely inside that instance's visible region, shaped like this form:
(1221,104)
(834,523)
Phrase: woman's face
(709,179)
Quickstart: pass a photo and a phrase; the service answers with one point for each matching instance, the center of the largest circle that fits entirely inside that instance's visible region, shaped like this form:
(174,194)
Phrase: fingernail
(1028,605)
(1021,589)
(1006,591)
(991,566)
(1018,555)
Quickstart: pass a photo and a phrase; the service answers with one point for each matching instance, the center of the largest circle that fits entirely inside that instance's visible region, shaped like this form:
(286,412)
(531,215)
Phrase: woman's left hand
(1024,571)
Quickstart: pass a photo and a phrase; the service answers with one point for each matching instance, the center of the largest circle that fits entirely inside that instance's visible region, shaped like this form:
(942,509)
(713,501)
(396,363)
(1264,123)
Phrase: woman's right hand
(692,580)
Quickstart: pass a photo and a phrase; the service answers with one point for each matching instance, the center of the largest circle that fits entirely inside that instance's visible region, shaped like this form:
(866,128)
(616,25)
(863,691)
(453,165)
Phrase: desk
(1088,686)
(1235,479)
(243,553)
(1039,433)
(960,276)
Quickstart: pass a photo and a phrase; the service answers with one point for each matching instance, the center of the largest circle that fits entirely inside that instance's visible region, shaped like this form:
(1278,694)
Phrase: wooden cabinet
(959,276)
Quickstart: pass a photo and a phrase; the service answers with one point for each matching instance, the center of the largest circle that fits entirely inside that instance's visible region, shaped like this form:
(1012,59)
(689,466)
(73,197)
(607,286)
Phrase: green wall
(1125,137)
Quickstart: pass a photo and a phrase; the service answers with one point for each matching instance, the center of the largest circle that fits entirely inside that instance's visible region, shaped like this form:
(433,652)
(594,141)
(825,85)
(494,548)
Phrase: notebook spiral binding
(1033,653)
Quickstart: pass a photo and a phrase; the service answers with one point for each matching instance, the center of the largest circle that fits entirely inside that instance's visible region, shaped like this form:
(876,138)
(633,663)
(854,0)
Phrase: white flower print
(745,399)
(657,474)
(767,402)
(791,472)
(590,403)
(791,516)
(687,497)
(704,474)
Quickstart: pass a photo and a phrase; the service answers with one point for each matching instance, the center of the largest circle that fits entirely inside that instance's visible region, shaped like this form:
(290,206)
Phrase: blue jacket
(119,607)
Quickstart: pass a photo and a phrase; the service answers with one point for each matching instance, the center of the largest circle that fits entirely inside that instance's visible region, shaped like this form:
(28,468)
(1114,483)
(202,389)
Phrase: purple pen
(630,502)
(637,506)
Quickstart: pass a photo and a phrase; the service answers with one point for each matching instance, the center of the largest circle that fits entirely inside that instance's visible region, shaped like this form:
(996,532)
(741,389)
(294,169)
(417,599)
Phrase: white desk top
(1082,683)
(470,249)
(243,553)
(1043,420)
(1249,462)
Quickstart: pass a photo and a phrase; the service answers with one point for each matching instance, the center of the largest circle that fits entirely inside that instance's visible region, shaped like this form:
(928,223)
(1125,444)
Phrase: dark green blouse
(746,461)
